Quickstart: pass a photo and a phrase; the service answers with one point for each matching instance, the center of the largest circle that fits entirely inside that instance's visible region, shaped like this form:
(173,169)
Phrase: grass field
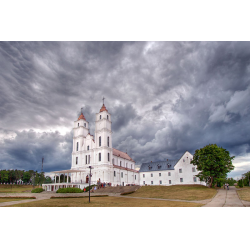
(15,188)
(105,202)
(7,199)
(244,193)
(179,192)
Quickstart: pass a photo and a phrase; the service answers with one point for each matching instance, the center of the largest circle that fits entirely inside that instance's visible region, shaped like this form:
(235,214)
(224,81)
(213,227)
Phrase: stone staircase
(120,189)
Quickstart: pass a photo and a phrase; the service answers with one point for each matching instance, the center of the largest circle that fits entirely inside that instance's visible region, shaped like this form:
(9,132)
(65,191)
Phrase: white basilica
(110,165)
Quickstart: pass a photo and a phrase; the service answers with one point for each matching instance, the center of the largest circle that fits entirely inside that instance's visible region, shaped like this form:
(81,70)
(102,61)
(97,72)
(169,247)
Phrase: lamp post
(89,181)
(34,180)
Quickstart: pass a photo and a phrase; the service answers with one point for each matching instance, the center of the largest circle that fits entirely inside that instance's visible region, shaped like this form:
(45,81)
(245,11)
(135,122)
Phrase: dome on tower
(81,117)
(103,108)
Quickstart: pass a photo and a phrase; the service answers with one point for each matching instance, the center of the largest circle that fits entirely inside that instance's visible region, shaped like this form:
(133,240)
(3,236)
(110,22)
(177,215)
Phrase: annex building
(112,166)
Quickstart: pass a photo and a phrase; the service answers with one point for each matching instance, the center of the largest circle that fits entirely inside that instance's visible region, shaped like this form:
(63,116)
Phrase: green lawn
(105,202)
(15,188)
(244,193)
(179,192)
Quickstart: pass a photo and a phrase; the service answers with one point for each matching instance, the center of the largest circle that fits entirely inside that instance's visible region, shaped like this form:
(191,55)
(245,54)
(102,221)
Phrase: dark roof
(158,166)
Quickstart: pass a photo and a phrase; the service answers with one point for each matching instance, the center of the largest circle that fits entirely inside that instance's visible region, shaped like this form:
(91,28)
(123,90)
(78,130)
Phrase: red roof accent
(128,169)
(103,108)
(121,154)
(81,117)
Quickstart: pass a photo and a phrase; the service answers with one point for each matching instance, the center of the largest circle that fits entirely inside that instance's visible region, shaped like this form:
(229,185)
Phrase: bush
(240,183)
(69,190)
(125,193)
(87,188)
(37,190)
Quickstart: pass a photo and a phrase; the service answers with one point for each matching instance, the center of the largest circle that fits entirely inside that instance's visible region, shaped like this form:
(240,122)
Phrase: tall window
(100,141)
(114,173)
(108,156)
(108,141)
(169,181)
(143,182)
(195,179)
(181,179)
(180,170)
(87,147)
(159,174)
(135,177)
(76,160)
(152,182)
(107,117)
(143,175)
(120,163)
(89,159)
(100,117)
(126,165)
(121,174)
(100,156)
(169,173)
(77,146)
(151,175)
(113,161)
(85,125)
(86,159)
(193,169)
(160,182)
(78,124)
(131,166)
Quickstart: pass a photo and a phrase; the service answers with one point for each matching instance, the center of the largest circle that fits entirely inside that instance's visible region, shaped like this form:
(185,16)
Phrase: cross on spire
(81,110)
(103,99)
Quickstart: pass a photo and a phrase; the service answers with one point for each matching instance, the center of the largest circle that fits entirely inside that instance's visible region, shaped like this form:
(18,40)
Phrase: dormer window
(149,167)
(159,166)
(100,117)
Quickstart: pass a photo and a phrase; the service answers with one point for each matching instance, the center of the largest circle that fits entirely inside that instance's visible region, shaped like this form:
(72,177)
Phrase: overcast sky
(164,98)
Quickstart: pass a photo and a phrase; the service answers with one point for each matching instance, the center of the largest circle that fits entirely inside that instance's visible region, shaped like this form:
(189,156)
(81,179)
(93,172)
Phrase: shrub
(87,188)
(69,190)
(240,183)
(125,193)
(37,190)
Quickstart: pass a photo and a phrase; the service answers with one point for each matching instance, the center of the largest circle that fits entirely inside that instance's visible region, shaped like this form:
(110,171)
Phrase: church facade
(109,164)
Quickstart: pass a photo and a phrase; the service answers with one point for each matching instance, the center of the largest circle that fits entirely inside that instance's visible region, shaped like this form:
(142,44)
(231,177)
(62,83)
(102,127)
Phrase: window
(169,181)
(143,182)
(120,163)
(121,174)
(152,182)
(151,175)
(193,170)
(100,117)
(131,166)
(169,173)
(100,156)
(160,182)
(143,175)
(180,170)
(108,156)
(85,125)
(87,147)
(195,179)
(113,161)
(135,177)
(114,174)
(181,179)
(108,141)
(89,159)
(86,159)
(76,160)
(78,124)
(107,117)
(183,160)
(77,146)
(159,174)
(126,165)
(100,141)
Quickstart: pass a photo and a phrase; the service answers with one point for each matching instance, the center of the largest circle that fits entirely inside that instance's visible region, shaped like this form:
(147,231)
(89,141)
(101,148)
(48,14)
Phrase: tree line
(23,177)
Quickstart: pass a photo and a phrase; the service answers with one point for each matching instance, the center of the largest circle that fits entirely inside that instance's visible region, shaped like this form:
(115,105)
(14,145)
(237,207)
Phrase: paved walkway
(224,198)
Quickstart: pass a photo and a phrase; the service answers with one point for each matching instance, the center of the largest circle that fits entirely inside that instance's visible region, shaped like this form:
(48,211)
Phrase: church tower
(81,129)
(103,137)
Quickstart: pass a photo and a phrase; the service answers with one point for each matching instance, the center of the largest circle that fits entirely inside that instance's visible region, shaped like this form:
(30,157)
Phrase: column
(55,178)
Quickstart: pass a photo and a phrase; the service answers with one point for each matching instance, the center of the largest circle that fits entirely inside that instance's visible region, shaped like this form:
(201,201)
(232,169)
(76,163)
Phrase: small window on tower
(76,160)
(108,156)
(113,160)
(78,124)
(77,146)
(89,158)
(135,177)
(100,117)
(85,125)
(100,141)
(108,141)
(120,163)
(100,156)
(107,117)
(86,159)
(114,173)
(126,165)
(87,147)
(121,174)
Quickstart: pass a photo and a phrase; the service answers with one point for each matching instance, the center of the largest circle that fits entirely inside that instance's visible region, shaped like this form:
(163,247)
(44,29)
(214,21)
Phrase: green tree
(213,162)
(48,179)
(26,177)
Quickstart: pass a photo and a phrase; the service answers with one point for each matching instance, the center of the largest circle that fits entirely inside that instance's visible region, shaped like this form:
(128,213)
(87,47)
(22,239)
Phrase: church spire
(81,116)
(103,108)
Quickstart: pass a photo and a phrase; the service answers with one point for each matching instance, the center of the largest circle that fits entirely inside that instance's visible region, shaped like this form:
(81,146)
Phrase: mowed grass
(178,192)
(244,193)
(16,188)
(105,202)
(6,199)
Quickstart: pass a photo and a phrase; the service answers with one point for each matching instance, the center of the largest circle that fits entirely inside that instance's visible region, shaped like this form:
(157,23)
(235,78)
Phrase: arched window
(120,163)
(108,141)
(78,124)
(100,156)
(107,117)
(77,146)
(108,156)
(76,160)
(89,159)
(87,147)
(100,141)
(100,117)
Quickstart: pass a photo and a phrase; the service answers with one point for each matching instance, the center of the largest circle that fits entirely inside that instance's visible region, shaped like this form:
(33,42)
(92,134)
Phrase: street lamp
(34,180)
(89,181)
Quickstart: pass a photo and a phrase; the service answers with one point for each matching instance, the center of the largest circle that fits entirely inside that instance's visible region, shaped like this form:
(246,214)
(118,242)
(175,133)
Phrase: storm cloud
(164,98)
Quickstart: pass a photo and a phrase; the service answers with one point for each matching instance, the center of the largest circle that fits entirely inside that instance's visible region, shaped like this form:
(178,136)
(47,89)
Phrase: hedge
(125,193)
(69,190)
(37,190)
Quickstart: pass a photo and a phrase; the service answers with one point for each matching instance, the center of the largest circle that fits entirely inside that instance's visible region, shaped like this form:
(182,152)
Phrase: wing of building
(170,172)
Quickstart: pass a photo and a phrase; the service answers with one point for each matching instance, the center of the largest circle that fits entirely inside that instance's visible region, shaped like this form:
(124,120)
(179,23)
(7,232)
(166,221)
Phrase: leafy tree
(213,162)
(47,180)
(26,177)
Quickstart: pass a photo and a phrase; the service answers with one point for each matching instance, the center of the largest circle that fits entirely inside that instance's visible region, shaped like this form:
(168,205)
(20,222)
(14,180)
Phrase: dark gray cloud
(164,97)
